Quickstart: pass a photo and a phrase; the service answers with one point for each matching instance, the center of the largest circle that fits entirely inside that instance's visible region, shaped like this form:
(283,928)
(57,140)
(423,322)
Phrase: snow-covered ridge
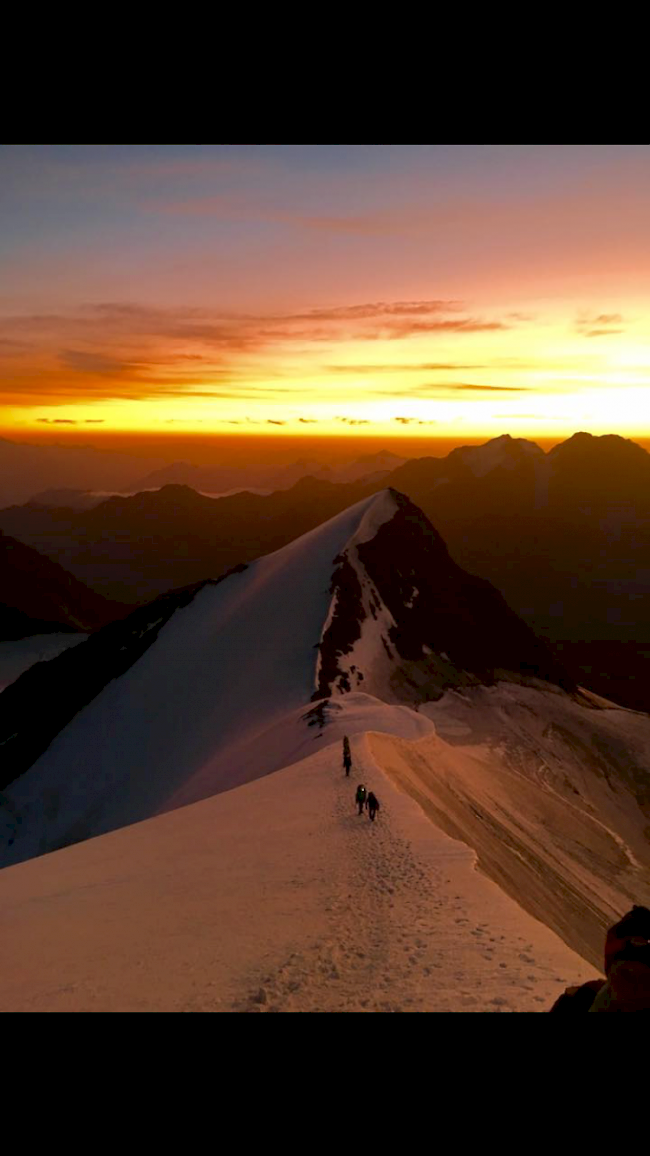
(133,717)
(210,686)
(503,452)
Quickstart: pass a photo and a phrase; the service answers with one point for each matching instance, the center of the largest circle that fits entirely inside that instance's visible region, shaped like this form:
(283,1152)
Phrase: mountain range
(565,537)
(363,626)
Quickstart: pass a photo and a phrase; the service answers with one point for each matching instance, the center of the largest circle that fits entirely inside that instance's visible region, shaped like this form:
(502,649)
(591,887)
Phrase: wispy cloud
(403,367)
(490,388)
(378,309)
(444,388)
(129,351)
(91,363)
(600,324)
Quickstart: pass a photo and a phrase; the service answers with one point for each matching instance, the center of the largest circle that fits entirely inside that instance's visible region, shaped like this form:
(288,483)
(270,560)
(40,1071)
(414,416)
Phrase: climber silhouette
(347,755)
(373,806)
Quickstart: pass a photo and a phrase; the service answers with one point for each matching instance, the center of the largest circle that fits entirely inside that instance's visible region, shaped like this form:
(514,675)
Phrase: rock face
(405,617)
(38,596)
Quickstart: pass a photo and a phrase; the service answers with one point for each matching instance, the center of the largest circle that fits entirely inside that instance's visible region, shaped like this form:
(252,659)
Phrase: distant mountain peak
(598,445)
(503,451)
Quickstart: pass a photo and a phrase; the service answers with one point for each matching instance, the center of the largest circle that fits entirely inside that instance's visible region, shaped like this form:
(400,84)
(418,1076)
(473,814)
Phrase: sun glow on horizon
(367,292)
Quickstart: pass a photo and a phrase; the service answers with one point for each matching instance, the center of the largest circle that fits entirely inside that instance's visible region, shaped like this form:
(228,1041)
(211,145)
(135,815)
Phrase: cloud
(599,324)
(94,420)
(446,325)
(609,318)
(377,309)
(491,388)
(273,421)
(437,389)
(415,420)
(407,367)
(601,332)
(308,420)
(57,420)
(83,362)
(129,351)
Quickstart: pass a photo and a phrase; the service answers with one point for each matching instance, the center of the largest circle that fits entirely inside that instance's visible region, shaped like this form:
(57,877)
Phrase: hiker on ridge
(347,756)
(360,797)
(627,970)
(373,806)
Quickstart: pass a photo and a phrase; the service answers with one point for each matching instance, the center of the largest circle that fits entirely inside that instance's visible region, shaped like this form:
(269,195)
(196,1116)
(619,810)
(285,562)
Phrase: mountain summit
(212,685)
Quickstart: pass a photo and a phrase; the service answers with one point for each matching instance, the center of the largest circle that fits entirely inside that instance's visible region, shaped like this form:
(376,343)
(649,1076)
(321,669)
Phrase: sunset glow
(389,291)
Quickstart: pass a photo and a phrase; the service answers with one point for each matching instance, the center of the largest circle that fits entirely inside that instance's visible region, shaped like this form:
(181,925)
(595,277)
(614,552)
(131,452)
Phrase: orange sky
(390,291)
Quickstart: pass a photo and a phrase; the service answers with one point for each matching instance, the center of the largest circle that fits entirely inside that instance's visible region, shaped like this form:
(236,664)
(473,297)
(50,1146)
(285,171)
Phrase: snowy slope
(552,794)
(210,686)
(239,655)
(504,452)
(276,896)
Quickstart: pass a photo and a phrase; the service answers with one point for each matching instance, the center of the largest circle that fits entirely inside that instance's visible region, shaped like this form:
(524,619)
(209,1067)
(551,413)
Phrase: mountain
(277,897)
(503,452)
(37,596)
(18,654)
(564,536)
(211,685)
(243,687)
(26,469)
(216,480)
(173,536)
(67,499)
(367,466)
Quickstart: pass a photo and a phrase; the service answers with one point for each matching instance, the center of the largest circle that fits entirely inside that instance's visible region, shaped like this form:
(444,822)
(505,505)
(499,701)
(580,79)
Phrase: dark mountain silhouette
(564,536)
(133,548)
(66,498)
(38,596)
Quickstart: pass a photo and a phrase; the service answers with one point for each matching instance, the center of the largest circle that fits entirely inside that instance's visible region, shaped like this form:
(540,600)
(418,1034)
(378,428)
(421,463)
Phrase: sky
(412,290)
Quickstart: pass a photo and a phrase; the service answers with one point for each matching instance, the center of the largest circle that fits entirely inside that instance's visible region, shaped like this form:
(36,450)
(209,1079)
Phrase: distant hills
(27,469)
